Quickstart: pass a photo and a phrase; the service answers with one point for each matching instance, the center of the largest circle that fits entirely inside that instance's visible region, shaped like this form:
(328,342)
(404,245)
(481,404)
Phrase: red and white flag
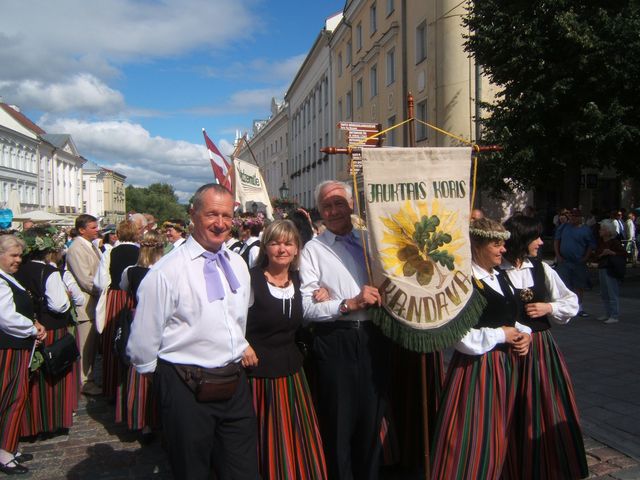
(219,165)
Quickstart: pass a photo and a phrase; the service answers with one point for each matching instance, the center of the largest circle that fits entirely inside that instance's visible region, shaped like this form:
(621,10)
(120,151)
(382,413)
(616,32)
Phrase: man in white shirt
(351,355)
(83,259)
(191,314)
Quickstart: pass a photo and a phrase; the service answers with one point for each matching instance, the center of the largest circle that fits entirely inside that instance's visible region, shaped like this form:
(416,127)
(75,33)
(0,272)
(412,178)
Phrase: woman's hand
(249,358)
(321,295)
(41,333)
(538,309)
(519,341)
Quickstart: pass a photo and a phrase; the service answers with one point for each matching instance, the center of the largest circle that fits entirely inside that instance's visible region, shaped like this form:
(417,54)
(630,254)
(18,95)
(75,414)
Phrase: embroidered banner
(417,205)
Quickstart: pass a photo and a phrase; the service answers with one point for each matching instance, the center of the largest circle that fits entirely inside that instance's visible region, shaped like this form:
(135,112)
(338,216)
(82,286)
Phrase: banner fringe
(427,341)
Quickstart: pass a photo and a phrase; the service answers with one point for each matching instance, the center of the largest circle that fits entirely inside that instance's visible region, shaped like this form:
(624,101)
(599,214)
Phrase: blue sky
(134,82)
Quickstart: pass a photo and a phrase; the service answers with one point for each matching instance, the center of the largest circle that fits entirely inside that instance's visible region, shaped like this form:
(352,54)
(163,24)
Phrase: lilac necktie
(353,246)
(215,289)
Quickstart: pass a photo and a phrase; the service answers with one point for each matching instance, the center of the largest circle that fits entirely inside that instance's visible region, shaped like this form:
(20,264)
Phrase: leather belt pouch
(210,384)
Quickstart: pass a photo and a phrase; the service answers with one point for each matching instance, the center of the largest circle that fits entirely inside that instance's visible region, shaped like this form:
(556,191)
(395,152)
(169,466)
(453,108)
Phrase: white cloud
(130,149)
(244,101)
(261,69)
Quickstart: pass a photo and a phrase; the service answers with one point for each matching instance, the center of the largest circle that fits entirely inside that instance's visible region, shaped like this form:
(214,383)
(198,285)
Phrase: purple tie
(354,247)
(215,289)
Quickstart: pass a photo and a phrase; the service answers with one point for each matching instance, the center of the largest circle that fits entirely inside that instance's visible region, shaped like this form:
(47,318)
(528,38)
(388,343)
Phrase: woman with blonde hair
(140,414)
(289,444)
(17,334)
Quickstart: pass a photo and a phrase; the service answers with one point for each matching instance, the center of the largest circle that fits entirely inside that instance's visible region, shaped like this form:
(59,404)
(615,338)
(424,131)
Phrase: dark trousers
(352,368)
(202,437)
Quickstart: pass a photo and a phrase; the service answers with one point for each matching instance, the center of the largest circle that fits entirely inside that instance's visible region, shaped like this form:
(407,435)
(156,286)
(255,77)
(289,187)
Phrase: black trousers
(352,368)
(202,437)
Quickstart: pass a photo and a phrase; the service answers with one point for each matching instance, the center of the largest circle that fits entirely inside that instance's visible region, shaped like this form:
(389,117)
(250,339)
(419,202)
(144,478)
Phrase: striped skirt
(474,437)
(136,402)
(548,427)
(289,443)
(113,372)
(51,399)
(14,388)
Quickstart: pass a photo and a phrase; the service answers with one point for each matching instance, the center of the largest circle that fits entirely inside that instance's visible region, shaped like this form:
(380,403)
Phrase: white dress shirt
(564,303)
(12,322)
(55,291)
(478,341)
(175,321)
(329,264)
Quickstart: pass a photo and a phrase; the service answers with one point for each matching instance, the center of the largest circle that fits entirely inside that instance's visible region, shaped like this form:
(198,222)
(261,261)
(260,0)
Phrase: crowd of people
(198,329)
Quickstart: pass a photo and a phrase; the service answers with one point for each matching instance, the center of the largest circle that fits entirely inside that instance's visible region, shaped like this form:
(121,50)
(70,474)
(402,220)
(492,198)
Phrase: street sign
(357,134)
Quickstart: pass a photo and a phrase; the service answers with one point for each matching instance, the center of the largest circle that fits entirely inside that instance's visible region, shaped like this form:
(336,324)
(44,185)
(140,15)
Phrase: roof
(91,167)
(58,140)
(21,119)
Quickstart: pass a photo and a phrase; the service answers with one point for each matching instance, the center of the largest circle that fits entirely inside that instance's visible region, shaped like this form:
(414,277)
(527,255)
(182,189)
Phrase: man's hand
(368,297)
(249,358)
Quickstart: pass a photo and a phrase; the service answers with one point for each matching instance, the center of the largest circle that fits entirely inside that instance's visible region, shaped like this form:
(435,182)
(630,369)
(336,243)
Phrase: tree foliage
(158,199)
(568,72)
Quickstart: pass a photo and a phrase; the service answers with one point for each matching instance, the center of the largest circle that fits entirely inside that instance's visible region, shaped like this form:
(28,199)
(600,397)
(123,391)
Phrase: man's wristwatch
(343,308)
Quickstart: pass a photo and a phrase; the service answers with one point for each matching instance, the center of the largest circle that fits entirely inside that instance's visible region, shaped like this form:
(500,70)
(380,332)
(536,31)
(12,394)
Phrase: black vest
(271,332)
(245,254)
(540,294)
(501,311)
(122,257)
(24,306)
(135,275)
(33,276)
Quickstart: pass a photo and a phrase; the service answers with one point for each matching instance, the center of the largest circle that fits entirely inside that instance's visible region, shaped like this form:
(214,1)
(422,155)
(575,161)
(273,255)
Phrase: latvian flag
(218,163)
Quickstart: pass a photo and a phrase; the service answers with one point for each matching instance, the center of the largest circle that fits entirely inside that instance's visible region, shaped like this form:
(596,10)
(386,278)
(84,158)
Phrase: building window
(340,64)
(339,112)
(391,66)
(348,53)
(348,105)
(421,114)
(373,80)
(359,93)
(390,7)
(359,36)
(326,92)
(391,134)
(373,20)
(421,42)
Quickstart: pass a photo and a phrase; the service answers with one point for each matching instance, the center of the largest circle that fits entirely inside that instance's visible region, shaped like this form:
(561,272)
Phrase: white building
(60,175)
(93,189)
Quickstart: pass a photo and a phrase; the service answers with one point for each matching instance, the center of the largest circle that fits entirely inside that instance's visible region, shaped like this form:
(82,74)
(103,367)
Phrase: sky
(135,81)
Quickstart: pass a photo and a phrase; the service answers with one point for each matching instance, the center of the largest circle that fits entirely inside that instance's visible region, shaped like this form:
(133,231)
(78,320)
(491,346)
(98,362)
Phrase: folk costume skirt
(14,391)
(474,434)
(289,443)
(52,399)
(141,405)
(113,372)
(549,438)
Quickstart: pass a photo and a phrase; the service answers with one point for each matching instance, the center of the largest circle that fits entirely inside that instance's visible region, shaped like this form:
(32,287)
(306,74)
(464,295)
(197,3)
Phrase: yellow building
(114,197)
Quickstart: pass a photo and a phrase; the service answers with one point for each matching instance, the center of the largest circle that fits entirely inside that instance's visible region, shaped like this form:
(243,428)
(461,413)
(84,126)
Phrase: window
(421,42)
(359,93)
(348,53)
(340,64)
(339,112)
(348,104)
(421,114)
(358,36)
(391,134)
(391,66)
(373,21)
(373,80)
(390,7)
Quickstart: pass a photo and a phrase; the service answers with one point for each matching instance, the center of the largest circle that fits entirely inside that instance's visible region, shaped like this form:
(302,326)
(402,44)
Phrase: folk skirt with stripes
(113,372)
(14,392)
(548,426)
(51,399)
(474,434)
(137,402)
(289,443)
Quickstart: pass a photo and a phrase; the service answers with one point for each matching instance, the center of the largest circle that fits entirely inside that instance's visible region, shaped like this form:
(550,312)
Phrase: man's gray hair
(322,185)
(139,219)
(196,203)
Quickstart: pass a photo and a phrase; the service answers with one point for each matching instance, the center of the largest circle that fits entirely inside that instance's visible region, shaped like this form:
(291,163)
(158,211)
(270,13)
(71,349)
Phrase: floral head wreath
(43,239)
(151,244)
(489,234)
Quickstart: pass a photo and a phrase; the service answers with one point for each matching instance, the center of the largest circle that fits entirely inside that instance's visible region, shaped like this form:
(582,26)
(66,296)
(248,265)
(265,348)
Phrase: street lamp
(284,191)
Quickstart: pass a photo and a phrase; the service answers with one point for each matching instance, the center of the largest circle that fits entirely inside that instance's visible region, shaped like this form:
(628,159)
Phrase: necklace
(277,283)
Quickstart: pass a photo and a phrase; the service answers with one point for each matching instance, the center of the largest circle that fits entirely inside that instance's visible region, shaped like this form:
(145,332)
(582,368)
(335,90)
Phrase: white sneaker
(611,320)
(602,318)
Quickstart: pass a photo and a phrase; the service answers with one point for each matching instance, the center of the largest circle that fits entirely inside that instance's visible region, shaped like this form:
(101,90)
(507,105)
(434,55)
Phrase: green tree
(158,199)
(568,72)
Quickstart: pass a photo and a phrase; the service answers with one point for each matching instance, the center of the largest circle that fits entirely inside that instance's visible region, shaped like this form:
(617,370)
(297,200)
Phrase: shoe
(13,468)
(23,457)
(611,320)
(583,314)
(602,318)
(91,388)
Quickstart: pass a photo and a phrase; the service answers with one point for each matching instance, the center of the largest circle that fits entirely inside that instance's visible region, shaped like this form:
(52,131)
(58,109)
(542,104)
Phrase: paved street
(603,360)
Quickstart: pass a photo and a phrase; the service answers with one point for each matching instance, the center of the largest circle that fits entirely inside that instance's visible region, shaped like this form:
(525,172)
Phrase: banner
(417,206)
(249,188)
